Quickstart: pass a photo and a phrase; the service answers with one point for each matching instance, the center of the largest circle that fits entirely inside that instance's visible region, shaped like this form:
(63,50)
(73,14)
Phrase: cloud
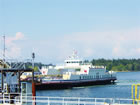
(54,49)
(109,44)
(18,36)
(13,48)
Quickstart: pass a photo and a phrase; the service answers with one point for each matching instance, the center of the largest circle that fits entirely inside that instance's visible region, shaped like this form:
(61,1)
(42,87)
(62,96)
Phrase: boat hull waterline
(66,84)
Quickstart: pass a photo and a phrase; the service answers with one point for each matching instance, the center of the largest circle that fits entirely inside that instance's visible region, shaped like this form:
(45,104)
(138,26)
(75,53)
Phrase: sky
(52,29)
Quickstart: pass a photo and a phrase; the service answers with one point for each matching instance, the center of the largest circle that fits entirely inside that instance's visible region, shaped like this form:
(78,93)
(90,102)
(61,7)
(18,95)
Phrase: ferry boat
(74,73)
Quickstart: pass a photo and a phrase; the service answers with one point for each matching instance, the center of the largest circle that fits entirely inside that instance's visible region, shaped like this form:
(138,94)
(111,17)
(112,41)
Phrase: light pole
(33,57)
(33,82)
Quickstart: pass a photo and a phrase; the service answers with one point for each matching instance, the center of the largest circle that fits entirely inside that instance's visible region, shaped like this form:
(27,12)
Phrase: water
(122,88)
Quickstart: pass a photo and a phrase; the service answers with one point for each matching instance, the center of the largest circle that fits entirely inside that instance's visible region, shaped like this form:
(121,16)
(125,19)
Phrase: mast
(4,48)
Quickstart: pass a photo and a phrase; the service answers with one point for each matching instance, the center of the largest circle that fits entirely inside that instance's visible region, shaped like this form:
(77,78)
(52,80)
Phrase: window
(23,88)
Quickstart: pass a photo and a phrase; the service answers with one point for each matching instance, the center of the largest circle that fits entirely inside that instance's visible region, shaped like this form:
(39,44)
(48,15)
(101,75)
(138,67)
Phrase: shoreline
(127,71)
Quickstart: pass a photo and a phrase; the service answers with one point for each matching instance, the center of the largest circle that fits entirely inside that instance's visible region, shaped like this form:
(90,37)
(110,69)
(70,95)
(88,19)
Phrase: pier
(11,86)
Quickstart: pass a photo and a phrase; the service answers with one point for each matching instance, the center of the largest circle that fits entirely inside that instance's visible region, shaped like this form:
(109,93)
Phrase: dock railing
(40,100)
(43,100)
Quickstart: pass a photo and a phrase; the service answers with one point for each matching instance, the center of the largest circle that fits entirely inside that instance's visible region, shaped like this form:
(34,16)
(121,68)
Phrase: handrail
(135,91)
(65,100)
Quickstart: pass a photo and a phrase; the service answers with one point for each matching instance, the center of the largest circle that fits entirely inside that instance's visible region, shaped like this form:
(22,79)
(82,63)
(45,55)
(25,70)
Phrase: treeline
(119,64)
(114,64)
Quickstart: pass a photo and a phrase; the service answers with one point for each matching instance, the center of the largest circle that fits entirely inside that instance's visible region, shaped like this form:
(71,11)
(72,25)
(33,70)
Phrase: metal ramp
(18,64)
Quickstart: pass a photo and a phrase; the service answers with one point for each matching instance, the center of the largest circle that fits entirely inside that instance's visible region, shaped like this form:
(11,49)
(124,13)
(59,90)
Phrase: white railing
(43,100)
(76,101)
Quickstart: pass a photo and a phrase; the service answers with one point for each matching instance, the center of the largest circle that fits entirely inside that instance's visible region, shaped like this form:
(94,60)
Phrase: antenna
(4,48)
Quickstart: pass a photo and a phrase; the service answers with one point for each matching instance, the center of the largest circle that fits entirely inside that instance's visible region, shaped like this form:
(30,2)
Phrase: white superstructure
(74,68)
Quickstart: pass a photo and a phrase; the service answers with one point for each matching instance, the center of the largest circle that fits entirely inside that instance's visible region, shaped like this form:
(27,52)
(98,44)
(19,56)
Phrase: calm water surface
(122,88)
